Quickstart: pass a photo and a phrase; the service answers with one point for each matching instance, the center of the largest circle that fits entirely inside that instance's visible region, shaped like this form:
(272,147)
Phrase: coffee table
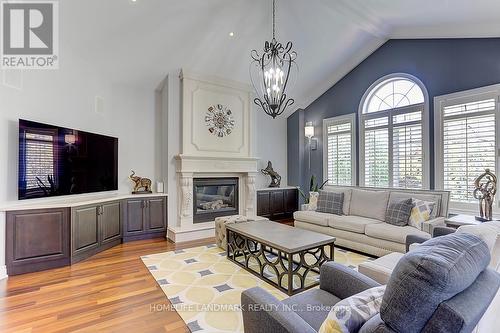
(286,257)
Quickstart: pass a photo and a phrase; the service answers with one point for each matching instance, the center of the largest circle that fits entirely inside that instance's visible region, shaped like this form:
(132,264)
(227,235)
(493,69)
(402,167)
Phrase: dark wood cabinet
(144,218)
(111,230)
(156,215)
(84,230)
(37,240)
(94,228)
(264,203)
(133,217)
(291,201)
(277,204)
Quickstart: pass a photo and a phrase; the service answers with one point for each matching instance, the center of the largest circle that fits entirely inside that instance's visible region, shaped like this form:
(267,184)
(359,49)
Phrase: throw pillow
(399,212)
(350,314)
(330,202)
(313,200)
(421,212)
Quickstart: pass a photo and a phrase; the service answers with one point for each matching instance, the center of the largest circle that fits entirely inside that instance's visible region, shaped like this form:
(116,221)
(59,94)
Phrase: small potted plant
(314,188)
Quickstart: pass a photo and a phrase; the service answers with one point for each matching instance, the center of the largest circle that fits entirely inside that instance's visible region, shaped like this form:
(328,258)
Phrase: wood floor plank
(110,292)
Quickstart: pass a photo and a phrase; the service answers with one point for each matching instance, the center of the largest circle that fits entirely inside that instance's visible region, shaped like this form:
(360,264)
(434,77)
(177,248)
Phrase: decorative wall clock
(219,120)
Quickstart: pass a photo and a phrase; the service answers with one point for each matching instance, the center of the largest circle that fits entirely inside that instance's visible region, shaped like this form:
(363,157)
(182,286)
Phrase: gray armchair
(442,286)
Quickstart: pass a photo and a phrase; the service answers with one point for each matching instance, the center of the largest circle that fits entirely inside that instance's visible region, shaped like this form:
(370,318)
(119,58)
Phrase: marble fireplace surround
(189,167)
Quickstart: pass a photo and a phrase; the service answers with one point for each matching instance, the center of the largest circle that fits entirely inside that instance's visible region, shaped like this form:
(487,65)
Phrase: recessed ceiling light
(231,34)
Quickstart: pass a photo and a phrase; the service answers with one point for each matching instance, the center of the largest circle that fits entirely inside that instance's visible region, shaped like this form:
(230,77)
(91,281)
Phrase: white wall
(270,145)
(66,97)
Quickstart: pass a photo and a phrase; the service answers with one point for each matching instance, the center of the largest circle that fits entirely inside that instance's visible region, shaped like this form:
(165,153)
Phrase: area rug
(204,287)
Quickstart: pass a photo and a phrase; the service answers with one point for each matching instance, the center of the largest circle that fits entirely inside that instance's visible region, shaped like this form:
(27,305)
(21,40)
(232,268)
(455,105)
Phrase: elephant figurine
(140,183)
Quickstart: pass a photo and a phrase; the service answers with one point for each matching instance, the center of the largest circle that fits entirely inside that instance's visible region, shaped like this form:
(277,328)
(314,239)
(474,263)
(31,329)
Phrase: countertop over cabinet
(71,202)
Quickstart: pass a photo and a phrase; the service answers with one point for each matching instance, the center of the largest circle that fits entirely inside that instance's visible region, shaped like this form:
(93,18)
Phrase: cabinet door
(85,229)
(156,214)
(263,203)
(110,222)
(133,216)
(291,201)
(37,240)
(277,203)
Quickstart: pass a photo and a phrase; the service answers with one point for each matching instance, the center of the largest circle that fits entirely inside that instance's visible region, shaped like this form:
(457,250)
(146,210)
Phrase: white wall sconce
(309,130)
(313,143)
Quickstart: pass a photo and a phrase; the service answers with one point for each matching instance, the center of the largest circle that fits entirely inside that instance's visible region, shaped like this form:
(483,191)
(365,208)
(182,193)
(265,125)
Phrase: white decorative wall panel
(198,94)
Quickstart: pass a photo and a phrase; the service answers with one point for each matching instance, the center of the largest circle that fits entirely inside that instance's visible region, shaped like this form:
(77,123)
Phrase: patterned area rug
(205,287)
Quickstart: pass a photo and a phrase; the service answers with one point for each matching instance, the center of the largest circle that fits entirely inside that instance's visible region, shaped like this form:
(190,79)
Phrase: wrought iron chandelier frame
(280,58)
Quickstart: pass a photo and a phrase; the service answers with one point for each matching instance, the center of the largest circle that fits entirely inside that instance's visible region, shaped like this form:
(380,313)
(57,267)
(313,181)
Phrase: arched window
(394,133)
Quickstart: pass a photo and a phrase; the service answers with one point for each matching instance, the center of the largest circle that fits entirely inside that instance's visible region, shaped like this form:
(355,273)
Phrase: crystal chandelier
(270,74)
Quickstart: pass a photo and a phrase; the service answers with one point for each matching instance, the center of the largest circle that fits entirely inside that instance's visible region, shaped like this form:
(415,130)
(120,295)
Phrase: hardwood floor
(109,292)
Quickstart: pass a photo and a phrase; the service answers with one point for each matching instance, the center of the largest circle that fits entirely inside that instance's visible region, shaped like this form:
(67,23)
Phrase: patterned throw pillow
(350,314)
(330,202)
(421,212)
(399,212)
(313,200)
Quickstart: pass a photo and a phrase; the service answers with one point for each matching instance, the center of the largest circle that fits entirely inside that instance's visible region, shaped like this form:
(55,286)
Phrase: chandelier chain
(274,18)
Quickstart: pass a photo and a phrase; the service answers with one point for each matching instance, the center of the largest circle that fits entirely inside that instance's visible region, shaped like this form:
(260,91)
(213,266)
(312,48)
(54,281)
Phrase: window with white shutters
(339,150)
(468,145)
(391,132)
(39,150)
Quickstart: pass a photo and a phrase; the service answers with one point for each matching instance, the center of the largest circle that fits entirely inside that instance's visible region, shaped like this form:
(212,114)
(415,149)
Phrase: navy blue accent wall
(295,149)
(443,65)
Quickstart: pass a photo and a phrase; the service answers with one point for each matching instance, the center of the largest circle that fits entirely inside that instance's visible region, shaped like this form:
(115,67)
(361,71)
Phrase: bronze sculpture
(139,183)
(275,177)
(486,188)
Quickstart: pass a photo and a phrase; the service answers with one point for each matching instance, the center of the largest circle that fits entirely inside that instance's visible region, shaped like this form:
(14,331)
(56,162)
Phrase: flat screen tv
(56,161)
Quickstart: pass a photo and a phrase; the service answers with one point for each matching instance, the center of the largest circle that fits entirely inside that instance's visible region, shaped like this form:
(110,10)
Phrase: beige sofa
(363,227)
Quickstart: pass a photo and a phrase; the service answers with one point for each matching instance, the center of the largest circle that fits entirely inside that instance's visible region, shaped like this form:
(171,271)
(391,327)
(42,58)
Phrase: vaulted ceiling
(140,42)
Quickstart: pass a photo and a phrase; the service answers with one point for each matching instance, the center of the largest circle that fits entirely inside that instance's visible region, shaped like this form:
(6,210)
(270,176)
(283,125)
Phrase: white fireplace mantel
(216,164)
(189,167)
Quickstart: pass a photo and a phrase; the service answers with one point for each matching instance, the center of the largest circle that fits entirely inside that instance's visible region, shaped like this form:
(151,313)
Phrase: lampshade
(309,130)
(70,139)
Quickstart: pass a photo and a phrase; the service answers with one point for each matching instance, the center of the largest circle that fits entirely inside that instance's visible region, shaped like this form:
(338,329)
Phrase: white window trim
(351,118)
(426,182)
(492,91)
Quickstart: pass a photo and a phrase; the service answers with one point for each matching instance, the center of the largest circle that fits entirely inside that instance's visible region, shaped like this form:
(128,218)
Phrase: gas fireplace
(214,197)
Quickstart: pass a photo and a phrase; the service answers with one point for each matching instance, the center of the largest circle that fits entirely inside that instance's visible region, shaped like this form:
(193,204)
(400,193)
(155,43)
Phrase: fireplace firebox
(214,197)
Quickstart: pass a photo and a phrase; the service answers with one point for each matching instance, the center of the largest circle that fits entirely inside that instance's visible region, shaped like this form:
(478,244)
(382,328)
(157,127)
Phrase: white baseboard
(3,272)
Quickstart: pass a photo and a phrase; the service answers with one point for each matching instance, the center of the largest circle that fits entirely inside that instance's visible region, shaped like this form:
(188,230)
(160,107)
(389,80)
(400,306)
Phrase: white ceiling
(140,42)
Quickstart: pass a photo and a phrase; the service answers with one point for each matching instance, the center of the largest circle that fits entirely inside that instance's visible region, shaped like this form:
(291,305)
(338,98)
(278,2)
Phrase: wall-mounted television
(56,161)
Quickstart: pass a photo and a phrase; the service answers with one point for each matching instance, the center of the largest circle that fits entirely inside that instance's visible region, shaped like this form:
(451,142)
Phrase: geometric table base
(290,272)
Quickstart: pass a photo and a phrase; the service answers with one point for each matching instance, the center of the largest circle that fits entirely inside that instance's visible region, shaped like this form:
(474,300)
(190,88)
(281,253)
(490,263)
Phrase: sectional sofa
(363,227)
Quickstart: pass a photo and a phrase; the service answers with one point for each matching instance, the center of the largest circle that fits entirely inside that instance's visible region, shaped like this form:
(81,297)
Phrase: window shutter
(377,157)
(339,152)
(407,156)
(39,158)
(469,143)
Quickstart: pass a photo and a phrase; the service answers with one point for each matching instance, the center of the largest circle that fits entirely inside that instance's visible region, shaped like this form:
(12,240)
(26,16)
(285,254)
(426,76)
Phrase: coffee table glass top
(282,237)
